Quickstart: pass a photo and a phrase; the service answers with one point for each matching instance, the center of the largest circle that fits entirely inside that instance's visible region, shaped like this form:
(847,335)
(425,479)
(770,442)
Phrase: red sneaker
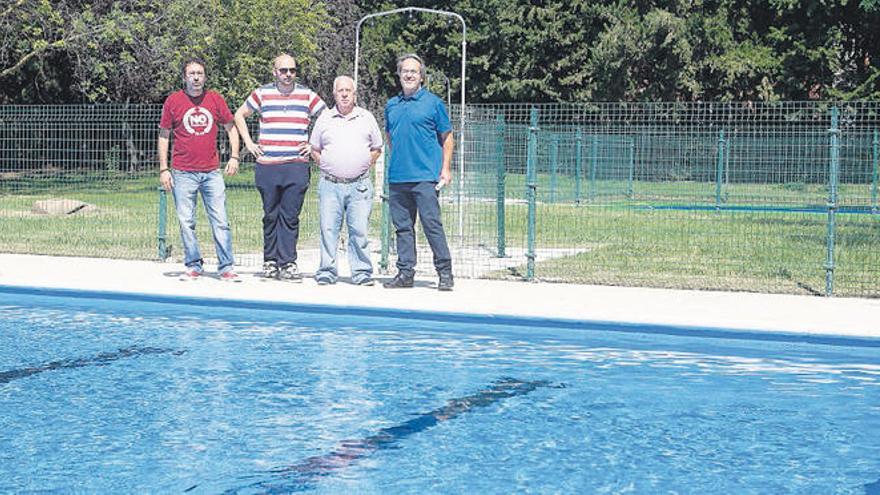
(230,276)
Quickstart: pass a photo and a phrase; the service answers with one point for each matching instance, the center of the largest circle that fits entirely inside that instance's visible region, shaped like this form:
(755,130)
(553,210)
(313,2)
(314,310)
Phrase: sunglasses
(287,70)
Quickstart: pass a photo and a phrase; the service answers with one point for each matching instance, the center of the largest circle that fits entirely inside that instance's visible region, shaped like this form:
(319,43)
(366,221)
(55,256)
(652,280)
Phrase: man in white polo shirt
(346,142)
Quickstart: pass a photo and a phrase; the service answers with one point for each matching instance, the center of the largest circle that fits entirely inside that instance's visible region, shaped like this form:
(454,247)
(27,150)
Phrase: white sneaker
(270,269)
(290,273)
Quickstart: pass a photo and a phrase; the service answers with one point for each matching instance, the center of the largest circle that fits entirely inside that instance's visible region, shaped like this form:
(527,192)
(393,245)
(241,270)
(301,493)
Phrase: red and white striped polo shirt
(284,121)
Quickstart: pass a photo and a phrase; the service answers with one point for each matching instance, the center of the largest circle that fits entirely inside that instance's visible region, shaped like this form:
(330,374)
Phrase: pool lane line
(300,476)
(101,359)
(872,488)
(531,322)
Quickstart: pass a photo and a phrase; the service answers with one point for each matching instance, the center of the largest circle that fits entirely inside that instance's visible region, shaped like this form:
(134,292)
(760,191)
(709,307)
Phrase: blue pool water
(142,397)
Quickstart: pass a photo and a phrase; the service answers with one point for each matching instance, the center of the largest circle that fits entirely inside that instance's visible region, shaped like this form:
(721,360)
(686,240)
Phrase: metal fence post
(164,249)
(728,145)
(554,166)
(594,164)
(632,167)
(719,169)
(386,217)
(834,134)
(578,164)
(531,191)
(875,158)
(500,189)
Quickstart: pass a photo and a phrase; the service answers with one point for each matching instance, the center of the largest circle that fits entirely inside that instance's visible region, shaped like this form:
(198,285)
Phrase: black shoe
(399,282)
(445,282)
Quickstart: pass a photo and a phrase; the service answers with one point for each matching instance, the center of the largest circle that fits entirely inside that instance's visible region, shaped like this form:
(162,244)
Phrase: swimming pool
(139,396)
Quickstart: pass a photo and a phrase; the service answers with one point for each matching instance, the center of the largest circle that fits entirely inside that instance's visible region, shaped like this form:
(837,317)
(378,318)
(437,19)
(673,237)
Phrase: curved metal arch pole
(357,49)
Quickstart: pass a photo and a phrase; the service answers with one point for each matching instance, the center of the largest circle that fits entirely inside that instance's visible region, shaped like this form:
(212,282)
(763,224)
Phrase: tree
(248,34)
(830,49)
(524,50)
(647,57)
(32,43)
(335,42)
(436,38)
(130,50)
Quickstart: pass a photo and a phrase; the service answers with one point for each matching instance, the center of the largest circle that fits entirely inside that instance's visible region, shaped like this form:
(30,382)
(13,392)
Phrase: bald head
(284,60)
(285,72)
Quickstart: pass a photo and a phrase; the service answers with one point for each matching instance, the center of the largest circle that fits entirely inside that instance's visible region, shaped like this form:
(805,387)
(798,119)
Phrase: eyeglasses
(287,70)
(406,72)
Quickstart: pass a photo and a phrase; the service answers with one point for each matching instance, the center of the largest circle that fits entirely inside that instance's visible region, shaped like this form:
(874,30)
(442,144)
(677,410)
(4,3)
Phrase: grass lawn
(604,240)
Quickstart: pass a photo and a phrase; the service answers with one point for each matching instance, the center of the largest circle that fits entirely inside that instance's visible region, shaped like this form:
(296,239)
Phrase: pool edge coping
(681,330)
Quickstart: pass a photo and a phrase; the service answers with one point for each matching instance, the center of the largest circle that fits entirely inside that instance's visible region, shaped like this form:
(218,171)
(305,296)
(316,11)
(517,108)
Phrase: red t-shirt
(194,122)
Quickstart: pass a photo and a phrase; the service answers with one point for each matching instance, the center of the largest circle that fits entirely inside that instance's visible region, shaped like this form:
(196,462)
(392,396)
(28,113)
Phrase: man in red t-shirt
(192,116)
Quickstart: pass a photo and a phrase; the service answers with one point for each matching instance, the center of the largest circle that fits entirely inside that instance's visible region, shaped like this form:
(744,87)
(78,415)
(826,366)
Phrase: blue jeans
(352,202)
(187,186)
(405,201)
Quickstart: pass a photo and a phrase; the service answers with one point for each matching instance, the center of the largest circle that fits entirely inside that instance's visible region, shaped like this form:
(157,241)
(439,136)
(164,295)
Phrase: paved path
(728,310)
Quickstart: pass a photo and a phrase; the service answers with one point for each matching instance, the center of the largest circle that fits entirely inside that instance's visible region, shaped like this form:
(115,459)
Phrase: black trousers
(282,189)
(405,201)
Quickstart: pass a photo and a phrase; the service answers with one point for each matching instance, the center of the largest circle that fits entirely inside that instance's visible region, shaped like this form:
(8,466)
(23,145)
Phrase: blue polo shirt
(415,124)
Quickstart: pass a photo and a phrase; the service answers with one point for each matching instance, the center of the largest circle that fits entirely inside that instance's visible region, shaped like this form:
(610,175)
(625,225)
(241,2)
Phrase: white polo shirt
(345,141)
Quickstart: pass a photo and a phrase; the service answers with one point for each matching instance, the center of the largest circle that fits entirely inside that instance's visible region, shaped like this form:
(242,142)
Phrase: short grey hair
(341,78)
(412,56)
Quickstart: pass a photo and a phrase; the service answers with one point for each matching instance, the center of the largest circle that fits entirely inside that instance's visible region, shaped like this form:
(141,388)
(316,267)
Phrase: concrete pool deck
(724,310)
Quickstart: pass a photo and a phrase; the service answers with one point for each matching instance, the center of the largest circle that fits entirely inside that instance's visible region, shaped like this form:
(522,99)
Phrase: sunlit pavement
(705,309)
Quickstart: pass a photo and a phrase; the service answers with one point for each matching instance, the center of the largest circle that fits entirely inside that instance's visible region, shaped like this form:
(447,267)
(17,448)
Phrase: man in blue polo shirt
(421,144)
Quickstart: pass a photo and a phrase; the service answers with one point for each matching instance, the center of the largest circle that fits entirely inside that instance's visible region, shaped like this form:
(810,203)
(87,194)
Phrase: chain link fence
(769,197)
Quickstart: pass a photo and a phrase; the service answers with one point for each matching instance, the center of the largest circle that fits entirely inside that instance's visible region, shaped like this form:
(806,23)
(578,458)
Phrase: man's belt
(343,180)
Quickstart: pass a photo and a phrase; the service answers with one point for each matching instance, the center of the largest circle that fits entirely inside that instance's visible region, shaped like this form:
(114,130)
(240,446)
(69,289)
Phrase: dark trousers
(282,189)
(406,199)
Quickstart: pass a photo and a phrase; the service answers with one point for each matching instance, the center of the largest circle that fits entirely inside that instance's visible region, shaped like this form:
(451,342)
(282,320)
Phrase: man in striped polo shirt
(282,152)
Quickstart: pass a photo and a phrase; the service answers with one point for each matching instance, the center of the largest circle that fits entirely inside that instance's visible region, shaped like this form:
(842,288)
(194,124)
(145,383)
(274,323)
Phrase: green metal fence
(771,197)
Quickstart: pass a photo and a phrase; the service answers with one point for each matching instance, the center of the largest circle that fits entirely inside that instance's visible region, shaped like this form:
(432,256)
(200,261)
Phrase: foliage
(641,50)
(335,42)
(32,40)
(131,50)
(250,34)
(648,58)
(523,50)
